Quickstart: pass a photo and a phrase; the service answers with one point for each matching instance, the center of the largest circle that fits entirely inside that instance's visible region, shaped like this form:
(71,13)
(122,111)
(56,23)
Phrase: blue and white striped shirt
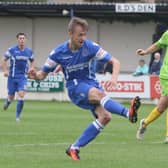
(19,60)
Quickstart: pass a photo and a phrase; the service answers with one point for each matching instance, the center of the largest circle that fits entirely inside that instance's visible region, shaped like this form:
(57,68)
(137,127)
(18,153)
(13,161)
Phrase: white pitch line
(52,144)
(67,143)
(157,142)
(41,144)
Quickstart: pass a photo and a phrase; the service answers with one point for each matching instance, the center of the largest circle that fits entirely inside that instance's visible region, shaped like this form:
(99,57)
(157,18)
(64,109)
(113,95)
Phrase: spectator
(156,64)
(142,68)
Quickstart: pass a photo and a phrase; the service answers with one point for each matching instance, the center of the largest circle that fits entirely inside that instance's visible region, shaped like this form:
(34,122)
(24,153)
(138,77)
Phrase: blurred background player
(163,102)
(19,57)
(77,57)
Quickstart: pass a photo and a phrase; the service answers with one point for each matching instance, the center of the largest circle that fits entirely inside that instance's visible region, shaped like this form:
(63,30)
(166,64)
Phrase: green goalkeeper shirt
(163,43)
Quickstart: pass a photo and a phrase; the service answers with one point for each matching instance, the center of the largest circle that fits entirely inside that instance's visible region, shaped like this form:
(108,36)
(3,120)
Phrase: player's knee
(106,118)
(11,97)
(21,95)
(162,107)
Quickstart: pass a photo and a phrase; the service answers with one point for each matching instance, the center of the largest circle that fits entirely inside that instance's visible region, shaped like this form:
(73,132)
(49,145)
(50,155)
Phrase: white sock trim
(98,125)
(104,100)
(127,115)
(74,147)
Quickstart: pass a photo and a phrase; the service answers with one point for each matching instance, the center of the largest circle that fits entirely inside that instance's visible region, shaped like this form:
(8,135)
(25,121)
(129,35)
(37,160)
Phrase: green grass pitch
(47,128)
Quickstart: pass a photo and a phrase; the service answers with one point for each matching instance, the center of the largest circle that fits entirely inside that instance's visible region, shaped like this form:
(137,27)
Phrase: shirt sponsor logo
(77,67)
(21,57)
(67,57)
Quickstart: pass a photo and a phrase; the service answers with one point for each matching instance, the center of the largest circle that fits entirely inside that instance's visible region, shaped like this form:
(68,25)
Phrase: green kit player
(163,101)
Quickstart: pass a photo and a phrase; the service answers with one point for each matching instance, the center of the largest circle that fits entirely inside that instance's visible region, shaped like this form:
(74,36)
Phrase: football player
(19,57)
(76,57)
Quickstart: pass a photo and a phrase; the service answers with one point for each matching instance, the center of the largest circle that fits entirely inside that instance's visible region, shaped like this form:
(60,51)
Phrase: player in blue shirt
(76,57)
(20,57)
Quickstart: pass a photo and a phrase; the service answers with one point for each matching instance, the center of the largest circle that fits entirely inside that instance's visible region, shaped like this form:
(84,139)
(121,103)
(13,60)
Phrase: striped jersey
(19,60)
(76,65)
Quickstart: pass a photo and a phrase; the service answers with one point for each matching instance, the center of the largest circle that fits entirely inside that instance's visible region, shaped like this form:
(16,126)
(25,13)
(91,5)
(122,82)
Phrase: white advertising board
(128,86)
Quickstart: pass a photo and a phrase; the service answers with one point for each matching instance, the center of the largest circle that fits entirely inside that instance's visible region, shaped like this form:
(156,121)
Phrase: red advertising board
(155,88)
(125,86)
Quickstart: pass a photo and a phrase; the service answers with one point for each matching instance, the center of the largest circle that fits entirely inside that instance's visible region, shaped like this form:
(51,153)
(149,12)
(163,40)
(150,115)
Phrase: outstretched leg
(90,133)
(87,136)
(117,108)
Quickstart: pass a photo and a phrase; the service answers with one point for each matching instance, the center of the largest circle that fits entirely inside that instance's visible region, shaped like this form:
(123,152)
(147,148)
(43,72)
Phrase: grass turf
(47,128)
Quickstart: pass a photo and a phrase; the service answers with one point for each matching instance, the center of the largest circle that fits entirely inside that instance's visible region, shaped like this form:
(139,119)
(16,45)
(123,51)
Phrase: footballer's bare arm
(149,50)
(37,75)
(116,68)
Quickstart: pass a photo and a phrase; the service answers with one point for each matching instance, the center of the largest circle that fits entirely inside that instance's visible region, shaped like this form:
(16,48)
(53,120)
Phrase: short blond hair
(77,21)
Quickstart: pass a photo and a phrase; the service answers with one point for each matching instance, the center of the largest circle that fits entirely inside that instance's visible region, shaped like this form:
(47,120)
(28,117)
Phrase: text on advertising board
(125,86)
(52,83)
(135,8)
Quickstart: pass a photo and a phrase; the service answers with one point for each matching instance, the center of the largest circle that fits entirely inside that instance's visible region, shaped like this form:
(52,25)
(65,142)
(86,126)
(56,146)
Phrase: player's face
(21,40)
(77,37)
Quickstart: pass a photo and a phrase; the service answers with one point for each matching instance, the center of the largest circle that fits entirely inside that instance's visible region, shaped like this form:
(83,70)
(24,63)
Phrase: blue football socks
(19,107)
(88,134)
(114,107)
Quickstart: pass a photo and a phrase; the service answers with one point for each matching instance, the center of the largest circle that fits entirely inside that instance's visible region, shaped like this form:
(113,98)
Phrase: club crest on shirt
(85,52)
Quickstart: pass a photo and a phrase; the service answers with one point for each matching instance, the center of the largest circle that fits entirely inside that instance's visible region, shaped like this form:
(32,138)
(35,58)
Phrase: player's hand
(32,74)
(140,52)
(6,73)
(110,83)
